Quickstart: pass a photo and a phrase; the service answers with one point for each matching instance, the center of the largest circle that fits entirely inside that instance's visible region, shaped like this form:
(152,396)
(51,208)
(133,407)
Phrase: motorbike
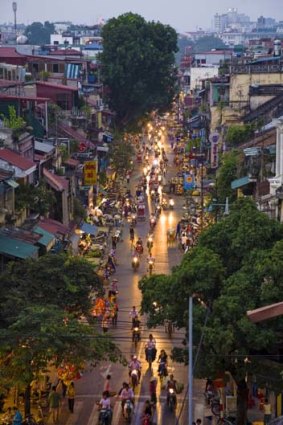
(146,420)
(158,210)
(128,411)
(162,370)
(150,267)
(105,417)
(150,354)
(135,262)
(172,399)
(149,243)
(134,378)
(164,204)
(136,335)
(171,204)
(139,248)
(152,222)
(133,219)
(152,195)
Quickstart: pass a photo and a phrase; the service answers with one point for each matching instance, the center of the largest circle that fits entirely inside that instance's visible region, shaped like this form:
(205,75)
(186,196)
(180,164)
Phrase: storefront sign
(90,173)
(214,150)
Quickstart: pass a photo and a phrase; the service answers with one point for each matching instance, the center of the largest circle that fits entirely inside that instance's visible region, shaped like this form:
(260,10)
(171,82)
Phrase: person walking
(54,400)
(267,412)
(71,396)
(17,417)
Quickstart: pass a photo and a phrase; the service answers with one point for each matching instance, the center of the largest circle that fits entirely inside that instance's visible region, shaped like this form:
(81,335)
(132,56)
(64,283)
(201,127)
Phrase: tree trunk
(242,403)
(27,400)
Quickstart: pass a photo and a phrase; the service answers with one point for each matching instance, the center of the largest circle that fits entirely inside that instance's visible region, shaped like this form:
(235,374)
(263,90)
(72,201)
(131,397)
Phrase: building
(198,74)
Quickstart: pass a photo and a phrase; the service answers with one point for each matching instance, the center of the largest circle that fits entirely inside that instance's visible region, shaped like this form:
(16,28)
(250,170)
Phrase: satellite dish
(22,39)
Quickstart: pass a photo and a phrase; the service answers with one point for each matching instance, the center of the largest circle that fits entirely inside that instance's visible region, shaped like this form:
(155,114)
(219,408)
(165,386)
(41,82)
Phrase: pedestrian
(184,240)
(152,390)
(267,412)
(54,400)
(114,242)
(108,387)
(71,396)
(17,417)
(105,323)
(115,314)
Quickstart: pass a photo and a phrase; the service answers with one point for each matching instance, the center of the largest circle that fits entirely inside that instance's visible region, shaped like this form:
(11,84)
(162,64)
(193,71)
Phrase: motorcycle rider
(126,394)
(171,384)
(105,404)
(162,360)
(135,364)
(134,315)
(132,234)
(136,324)
(147,411)
(150,346)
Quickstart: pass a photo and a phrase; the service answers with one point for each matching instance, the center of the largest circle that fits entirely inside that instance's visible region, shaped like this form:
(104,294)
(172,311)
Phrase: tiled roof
(57,86)
(72,162)
(29,98)
(69,131)
(56,182)
(15,159)
(53,226)
(9,52)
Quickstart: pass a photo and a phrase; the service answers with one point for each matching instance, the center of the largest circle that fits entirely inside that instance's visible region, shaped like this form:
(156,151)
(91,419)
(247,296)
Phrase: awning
(47,239)
(12,183)
(17,249)
(241,182)
(89,228)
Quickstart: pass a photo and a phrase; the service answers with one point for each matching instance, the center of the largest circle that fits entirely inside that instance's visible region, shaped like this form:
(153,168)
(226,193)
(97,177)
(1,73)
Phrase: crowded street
(166,255)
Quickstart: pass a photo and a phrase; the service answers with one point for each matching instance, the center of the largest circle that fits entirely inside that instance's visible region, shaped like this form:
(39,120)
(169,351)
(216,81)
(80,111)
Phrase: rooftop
(15,159)
(9,52)
(56,182)
(57,86)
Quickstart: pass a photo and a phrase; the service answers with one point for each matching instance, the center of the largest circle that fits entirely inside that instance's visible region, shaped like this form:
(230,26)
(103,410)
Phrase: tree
(226,173)
(238,134)
(38,199)
(38,33)
(121,154)
(41,302)
(230,271)
(138,67)
(207,43)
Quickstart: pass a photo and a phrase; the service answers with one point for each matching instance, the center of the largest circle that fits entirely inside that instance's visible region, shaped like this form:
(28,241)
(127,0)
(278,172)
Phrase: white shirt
(105,403)
(127,394)
(133,313)
(135,364)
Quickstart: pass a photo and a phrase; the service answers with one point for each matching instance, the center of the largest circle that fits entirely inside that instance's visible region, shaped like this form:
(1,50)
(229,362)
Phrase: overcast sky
(183,15)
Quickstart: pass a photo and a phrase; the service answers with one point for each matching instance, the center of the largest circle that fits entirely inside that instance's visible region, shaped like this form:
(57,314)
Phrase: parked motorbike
(105,417)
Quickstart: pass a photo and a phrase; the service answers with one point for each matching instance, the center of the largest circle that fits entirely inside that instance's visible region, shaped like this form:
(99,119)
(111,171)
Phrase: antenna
(14,6)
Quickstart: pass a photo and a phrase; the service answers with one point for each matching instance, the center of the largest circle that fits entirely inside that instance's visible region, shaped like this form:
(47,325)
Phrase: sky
(183,15)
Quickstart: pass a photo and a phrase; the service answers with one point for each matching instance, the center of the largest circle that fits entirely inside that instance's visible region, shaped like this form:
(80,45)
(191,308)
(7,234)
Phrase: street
(89,388)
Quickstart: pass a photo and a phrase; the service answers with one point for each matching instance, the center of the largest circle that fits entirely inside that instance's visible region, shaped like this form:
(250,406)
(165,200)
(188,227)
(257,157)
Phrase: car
(83,156)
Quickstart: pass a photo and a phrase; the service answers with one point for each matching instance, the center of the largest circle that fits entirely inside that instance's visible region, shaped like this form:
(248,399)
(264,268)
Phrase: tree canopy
(38,33)
(226,173)
(233,269)
(41,303)
(138,66)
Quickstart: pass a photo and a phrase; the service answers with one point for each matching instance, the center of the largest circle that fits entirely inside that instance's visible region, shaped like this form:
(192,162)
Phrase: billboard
(90,173)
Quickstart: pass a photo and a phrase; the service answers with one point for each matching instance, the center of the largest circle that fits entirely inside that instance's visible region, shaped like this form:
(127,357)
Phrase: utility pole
(14,6)
(190,371)
(201,196)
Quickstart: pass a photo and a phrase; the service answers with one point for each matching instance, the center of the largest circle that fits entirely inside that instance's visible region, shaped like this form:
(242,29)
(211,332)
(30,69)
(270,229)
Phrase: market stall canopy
(89,228)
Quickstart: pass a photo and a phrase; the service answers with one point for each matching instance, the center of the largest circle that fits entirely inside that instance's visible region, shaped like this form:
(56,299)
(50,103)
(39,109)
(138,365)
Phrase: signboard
(189,182)
(275,182)
(90,173)
(214,150)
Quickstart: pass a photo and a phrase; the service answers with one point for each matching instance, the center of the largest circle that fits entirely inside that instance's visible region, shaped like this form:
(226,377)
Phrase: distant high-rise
(230,19)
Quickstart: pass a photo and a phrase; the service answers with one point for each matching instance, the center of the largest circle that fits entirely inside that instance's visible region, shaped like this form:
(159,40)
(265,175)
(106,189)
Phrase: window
(55,67)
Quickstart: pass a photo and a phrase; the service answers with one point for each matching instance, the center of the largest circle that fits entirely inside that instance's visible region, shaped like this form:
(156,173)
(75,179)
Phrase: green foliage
(238,134)
(121,154)
(208,43)
(226,173)
(236,266)
(79,210)
(13,121)
(40,304)
(38,199)
(38,33)
(138,66)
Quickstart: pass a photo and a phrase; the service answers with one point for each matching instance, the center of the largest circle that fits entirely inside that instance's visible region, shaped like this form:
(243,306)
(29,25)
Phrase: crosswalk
(161,412)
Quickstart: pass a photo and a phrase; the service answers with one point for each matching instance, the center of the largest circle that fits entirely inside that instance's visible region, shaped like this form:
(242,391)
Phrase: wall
(202,73)
(240,83)
(256,101)
(59,39)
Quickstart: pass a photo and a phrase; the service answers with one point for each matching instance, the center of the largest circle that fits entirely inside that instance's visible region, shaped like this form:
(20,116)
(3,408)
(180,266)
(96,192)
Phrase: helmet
(134,357)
